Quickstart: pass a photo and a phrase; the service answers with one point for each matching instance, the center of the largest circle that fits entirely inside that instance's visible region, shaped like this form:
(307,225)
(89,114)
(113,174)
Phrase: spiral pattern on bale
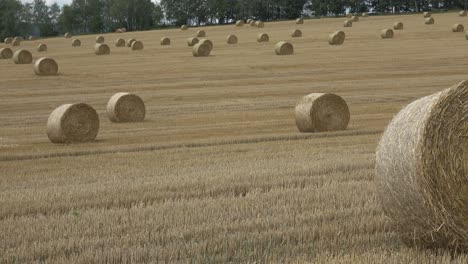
(207,42)
(239,23)
(201,50)
(126,107)
(76,43)
(45,67)
(42,47)
(16,42)
(137,45)
(458,28)
(67,35)
(260,24)
(398,26)
(422,169)
(8,40)
(337,38)
(253,23)
(101,49)
(22,57)
(192,41)
(386,33)
(299,21)
(284,48)
(165,41)
(296,33)
(120,42)
(263,37)
(6,53)
(319,112)
(130,42)
(347,23)
(429,21)
(201,34)
(231,39)
(100,39)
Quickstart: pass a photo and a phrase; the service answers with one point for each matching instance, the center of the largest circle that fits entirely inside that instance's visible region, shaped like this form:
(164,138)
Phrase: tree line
(97,16)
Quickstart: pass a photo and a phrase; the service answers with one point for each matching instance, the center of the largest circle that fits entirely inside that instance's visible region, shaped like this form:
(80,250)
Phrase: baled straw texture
(462,13)
(201,50)
(458,28)
(184,27)
(76,43)
(296,33)
(231,39)
(201,34)
(67,35)
(73,123)
(337,38)
(16,42)
(300,21)
(126,107)
(427,14)
(318,112)
(6,53)
(249,21)
(207,42)
(365,14)
(263,37)
(429,21)
(137,45)
(355,18)
(253,23)
(101,49)
(120,42)
(192,41)
(260,24)
(165,41)
(8,40)
(22,57)
(422,169)
(130,42)
(386,33)
(42,47)
(239,23)
(398,26)
(284,48)
(347,23)
(100,39)
(45,67)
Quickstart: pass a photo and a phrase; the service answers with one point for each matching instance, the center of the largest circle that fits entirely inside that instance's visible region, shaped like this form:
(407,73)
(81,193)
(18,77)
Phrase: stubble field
(217,173)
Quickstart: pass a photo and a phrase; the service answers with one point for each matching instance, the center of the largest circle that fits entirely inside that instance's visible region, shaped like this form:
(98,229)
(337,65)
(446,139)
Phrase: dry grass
(217,172)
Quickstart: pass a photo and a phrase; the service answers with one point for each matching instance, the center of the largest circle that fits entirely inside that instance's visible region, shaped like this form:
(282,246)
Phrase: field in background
(218,171)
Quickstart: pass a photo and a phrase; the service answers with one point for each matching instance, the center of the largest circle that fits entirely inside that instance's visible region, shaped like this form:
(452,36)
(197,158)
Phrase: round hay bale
(42,47)
(184,27)
(300,21)
(137,45)
(45,67)
(16,42)
(67,35)
(296,33)
(207,42)
(249,21)
(429,21)
(201,34)
(284,48)
(192,41)
(73,123)
(120,42)
(6,53)
(22,57)
(239,23)
(260,24)
(101,49)
(100,39)
(422,167)
(349,15)
(348,23)
(263,37)
(201,50)
(427,14)
(76,43)
(126,107)
(123,30)
(8,40)
(165,41)
(252,23)
(319,112)
(32,38)
(355,18)
(386,33)
(365,14)
(337,38)
(462,13)
(458,28)
(398,26)
(118,30)
(231,39)
(130,42)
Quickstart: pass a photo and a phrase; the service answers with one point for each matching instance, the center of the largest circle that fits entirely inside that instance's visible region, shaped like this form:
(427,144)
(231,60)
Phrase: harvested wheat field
(217,172)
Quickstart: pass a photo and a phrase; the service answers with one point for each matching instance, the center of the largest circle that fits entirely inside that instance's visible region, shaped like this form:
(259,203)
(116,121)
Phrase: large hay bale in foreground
(429,21)
(100,39)
(45,67)
(101,49)
(192,41)
(427,14)
(207,42)
(67,35)
(239,23)
(22,57)
(263,37)
(296,33)
(130,42)
(319,112)
(8,40)
(201,50)
(260,24)
(137,45)
(184,27)
(347,23)
(462,13)
(6,53)
(386,33)
(165,41)
(73,123)
(42,47)
(398,26)
(300,21)
(422,170)
(458,28)
(201,34)
(284,48)
(120,42)
(231,39)
(337,38)
(76,43)
(126,107)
